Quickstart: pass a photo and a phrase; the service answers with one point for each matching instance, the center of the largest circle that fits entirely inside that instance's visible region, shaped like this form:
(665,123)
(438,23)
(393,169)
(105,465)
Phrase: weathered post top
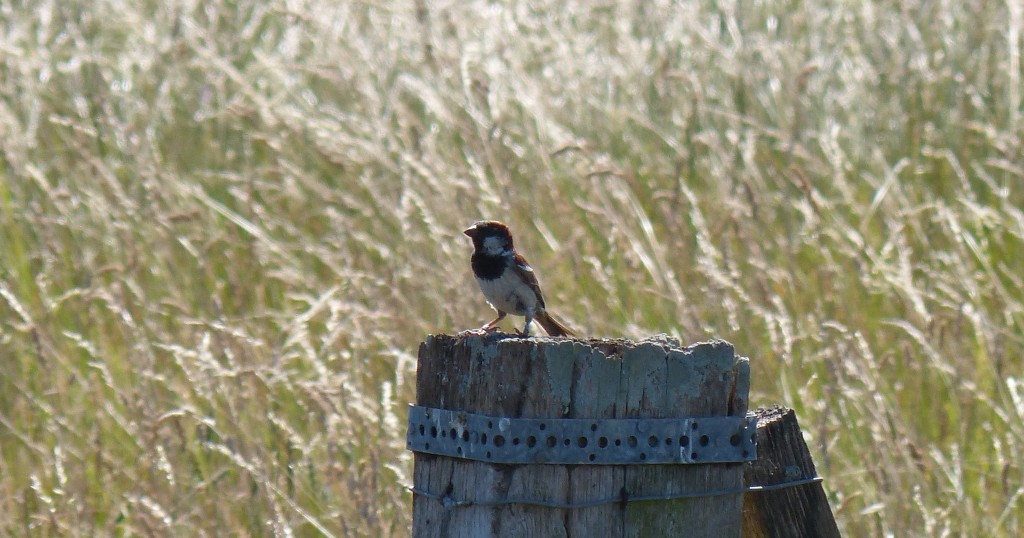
(501,375)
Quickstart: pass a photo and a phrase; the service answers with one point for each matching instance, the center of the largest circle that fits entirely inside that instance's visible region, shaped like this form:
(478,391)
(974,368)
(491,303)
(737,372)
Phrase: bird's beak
(470,231)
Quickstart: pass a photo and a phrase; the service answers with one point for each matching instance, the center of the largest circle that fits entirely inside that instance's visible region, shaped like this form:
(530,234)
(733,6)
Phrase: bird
(507,280)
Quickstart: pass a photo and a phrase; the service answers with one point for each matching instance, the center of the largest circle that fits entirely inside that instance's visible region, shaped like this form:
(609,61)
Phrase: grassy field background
(225,227)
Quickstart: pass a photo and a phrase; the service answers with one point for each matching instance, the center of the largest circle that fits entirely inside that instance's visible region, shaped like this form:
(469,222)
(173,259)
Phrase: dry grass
(225,226)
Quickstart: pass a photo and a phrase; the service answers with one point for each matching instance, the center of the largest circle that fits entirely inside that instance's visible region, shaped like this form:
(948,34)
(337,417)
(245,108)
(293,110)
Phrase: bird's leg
(495,321)
(526,328)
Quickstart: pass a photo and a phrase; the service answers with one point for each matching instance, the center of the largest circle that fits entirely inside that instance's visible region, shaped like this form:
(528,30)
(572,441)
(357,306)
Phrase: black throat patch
(488,267)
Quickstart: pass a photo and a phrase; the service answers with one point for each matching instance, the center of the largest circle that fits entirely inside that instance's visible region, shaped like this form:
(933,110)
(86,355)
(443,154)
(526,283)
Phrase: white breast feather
(509,293)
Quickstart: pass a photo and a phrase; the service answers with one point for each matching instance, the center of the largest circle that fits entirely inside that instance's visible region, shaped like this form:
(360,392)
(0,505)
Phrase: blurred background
(225,227)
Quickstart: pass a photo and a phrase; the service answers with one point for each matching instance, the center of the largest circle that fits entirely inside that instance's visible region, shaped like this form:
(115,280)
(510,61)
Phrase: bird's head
(490,237)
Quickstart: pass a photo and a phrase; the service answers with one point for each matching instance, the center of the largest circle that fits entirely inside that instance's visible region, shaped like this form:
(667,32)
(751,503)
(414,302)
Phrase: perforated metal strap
(575,441)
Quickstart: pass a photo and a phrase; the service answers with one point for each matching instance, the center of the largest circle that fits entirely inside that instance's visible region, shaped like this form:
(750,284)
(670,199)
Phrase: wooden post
(507,376)
(782,456)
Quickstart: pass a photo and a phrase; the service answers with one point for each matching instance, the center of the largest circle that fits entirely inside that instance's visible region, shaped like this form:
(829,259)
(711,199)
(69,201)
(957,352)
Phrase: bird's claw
(482,331)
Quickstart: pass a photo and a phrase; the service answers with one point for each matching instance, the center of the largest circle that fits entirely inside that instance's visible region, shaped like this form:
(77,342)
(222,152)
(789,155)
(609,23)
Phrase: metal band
(575,441)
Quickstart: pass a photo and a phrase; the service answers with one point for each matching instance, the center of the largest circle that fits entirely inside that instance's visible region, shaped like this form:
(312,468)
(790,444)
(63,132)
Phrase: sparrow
(507,280)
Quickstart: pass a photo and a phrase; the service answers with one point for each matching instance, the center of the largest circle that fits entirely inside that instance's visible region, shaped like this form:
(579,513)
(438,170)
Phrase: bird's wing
(523,269)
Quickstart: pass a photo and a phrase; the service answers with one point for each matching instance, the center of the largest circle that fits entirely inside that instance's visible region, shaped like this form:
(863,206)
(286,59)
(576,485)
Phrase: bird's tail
(552,326)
